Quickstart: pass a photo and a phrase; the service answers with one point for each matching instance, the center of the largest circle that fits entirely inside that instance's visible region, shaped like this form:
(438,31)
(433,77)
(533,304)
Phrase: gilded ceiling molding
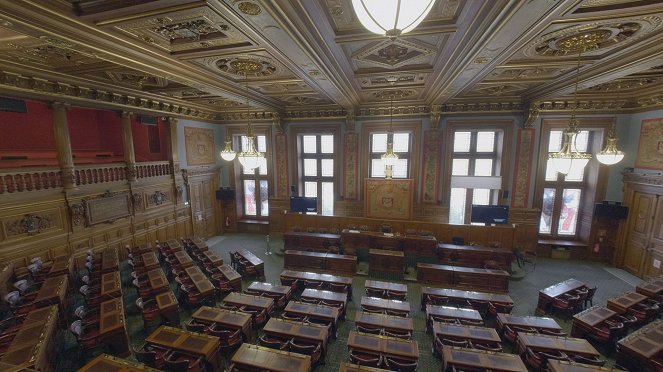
(435,115)
(62,91)
(586,106)
(278,123)
(533,114)
(239,116)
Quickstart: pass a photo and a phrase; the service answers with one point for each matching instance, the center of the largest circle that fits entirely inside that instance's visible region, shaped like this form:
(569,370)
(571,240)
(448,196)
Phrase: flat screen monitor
(303,204)
(490,214)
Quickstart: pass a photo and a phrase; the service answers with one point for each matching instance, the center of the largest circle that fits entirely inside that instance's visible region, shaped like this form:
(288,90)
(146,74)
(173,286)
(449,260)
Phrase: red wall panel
(30,131)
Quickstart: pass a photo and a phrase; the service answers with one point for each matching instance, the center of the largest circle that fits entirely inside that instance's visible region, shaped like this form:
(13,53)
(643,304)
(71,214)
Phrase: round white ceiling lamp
(391,18)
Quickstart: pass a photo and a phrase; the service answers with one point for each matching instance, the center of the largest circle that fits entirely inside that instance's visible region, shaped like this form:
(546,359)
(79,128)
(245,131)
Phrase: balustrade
(21,180)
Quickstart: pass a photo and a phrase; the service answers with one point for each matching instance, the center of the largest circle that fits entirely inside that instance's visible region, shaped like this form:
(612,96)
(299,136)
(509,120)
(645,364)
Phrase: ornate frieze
(29,224)
(78,217)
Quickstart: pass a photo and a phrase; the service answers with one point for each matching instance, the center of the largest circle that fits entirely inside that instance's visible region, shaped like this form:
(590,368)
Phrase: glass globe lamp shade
(391,17)
(610,155)
(389,158)
(250,159)
(228,154)
(568,158)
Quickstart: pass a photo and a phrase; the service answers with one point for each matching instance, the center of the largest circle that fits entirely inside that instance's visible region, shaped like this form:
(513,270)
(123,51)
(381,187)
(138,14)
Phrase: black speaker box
(225,193)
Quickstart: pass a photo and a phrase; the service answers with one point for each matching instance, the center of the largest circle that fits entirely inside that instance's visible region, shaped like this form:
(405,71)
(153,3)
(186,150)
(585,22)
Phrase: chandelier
(610,154)
(391,18)
(250,158)
(228,154)
(568,158)
(389,157)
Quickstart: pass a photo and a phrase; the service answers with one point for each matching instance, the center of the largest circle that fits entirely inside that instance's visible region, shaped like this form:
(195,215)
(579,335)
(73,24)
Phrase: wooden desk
(474,256)
(299,331)
(386,286)
(547,295)
(253,260)
(305,241)
(253,302)
(463,277)
(212,258)
(198,244)
(461,296)
(6,275)
(328,262)
(62,265)
(384,304)
(189,342)
(384,345)
(54,291)
(568,345)
(168,306)
(232,276)
(203,285)
(451,313)
(111,285)
(280,290)
(538,323)
(464,332)
(266,359)
(150,260)
(324,278)
(386,261)
(320,312)
(410,245)
(564,366)
(332,298)
(157,280)
(112,327)
(637,349)
(478,359)
(586,320)
(109,260)
(388,322)
(652,288)
(34,342)
(173,245)
(621,303)
(228,319)
(349,367)
(183,259)
(105,362)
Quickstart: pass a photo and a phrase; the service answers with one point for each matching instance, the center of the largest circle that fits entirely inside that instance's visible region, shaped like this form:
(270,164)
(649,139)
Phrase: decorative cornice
(587,106)
(645,179)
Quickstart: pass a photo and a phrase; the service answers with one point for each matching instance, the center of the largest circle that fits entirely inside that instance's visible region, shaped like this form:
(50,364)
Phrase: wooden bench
(567,249)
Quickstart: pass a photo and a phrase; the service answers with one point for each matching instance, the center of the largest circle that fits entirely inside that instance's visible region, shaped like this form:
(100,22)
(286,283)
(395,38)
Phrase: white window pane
(327,144)
(327,167)
(551,172)
(311,167)
(379,142)
(485,141)
(310,189)
(568,218)
(575,174)
(327,198)
(462,141)
(483,167)
(555,142)
(401,142)
(262,169)
(545,225)
(377,169)
(264,198)
(249,197)
(481,196)
(582,140)
(460,167)
(309,144)
(261,142)
(243,142)
(457,206)
(399,170)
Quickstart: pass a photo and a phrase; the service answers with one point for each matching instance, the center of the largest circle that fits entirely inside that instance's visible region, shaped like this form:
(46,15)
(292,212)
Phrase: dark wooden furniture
(112,327)
(157,281)
(535,322)
(547,295)
(250,301)
(109,260)
(200,281)
(392,323)
(481,360)
(652,288)
(461,297)
(555,365)
(585,321)
(323,278)
(150,260)
(568,345)
(396,288)
(228,319)
(197,344)
(253,357)
(111,285)
(386,261)
(474,256)
(458,332)
(451,313)
(374,303)
(168,306)
(311,311)
(253,260)
(386,346)
(463,277)
(212,258)
(305,241)
(272,289)
(232,276)
(173,245)
(410,245)
(183,259)
(638,350)
(349,367)
(105,362)
(54,291)
(61,265)
(299,331)
(198,244)
(34,343)
(328,298)
(325,262)
(621,303)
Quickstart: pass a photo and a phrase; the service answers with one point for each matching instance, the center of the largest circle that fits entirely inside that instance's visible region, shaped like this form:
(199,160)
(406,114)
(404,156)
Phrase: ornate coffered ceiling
(312,58)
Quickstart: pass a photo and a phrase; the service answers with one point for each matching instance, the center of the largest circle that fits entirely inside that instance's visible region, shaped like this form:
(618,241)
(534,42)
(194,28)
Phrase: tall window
(474,153)
(378,146)
(254,183)
(562,194)
(317,169)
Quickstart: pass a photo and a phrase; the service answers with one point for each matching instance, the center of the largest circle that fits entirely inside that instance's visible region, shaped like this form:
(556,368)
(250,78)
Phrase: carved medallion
(249,8)
(77,214)
(158,197)
(30,224)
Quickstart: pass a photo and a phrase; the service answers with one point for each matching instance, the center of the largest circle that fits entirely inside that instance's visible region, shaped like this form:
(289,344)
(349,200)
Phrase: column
(432,159)
(128,145)
(351,158)
(173,149)
(63,145)
(522,172)
(281,158)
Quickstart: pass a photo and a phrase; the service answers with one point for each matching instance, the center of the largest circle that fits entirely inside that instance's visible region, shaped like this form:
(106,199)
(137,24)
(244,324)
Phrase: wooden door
(641,216)
(653,266)
(203,205)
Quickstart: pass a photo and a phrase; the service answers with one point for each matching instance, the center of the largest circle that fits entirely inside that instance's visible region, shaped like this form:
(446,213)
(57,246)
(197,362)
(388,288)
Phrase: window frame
(502,159)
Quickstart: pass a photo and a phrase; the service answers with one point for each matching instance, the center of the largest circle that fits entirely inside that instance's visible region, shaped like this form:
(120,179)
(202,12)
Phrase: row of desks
(474,256)
(463,277)
(328,262)
(34,342)
(461,296)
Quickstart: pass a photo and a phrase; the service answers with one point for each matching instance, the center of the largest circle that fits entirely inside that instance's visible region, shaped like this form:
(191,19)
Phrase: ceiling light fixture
(250,158)
(228,154)
(391,18)
(610,154)
(389,157)
(568,158)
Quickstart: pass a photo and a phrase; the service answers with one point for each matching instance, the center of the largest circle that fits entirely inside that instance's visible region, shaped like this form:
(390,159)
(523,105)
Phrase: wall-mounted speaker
(13,105)
(225,193)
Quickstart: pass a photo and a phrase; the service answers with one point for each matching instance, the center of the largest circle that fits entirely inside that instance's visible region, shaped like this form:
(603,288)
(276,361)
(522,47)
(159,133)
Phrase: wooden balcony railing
(97,173)
(153,169)
(26,179)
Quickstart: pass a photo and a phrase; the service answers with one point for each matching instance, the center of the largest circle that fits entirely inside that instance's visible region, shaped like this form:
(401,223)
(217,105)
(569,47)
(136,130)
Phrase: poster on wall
(199,144)
(388,198)
(650,148)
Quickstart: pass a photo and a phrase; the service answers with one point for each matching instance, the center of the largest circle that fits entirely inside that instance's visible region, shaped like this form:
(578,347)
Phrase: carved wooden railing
(153,169)
(97,173)
(27,179)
